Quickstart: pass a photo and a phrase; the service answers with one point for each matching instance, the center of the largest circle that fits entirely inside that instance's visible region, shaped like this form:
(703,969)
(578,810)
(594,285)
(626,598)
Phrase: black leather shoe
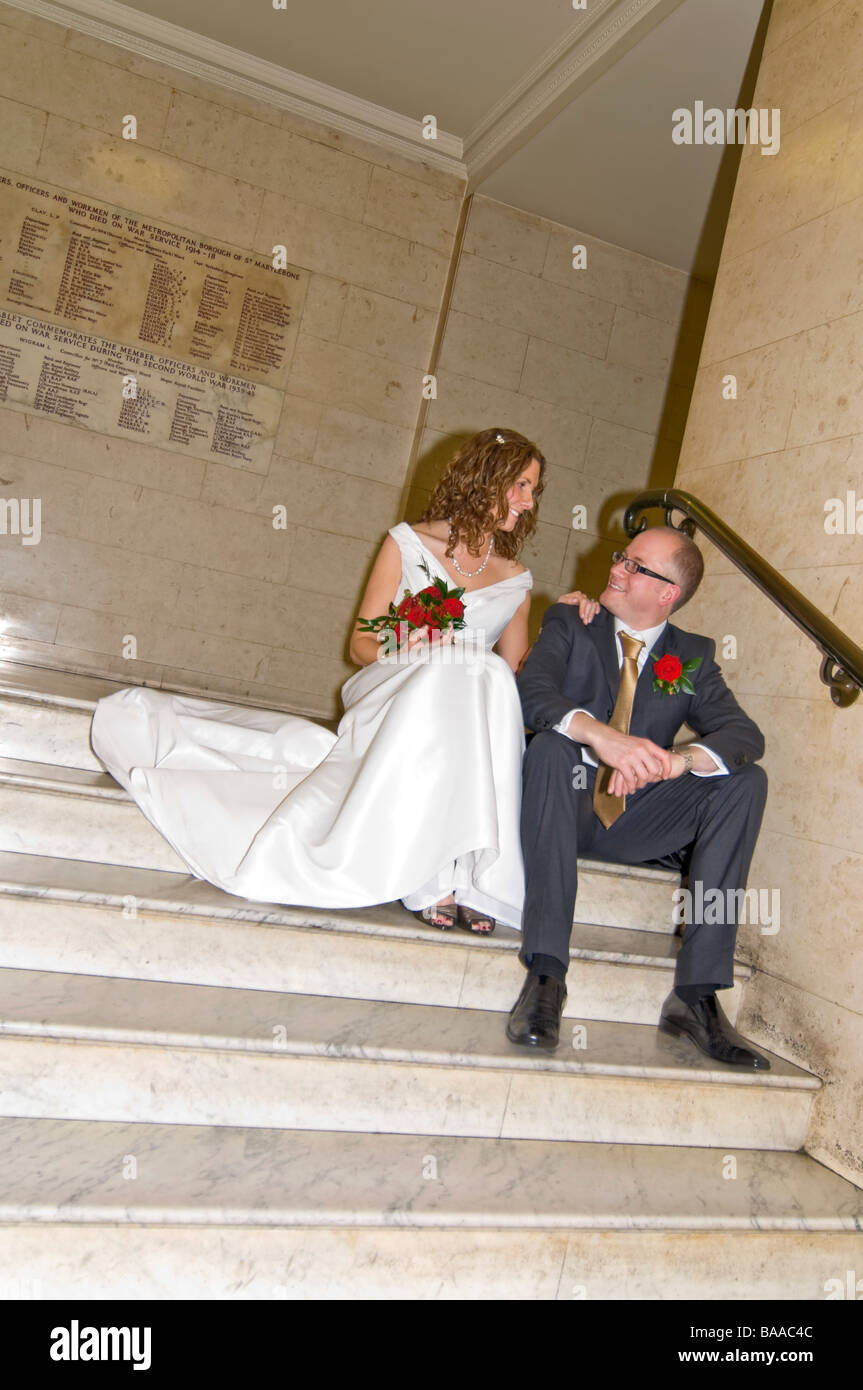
(709,1029)
(535,1017)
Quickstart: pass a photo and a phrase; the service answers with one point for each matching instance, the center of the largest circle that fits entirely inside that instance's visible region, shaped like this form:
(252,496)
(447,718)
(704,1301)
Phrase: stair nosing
(283,917)
(416,1054)
(245,1198)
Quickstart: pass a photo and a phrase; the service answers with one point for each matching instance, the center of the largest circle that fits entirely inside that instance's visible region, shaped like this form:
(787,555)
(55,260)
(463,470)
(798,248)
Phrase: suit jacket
(576,666)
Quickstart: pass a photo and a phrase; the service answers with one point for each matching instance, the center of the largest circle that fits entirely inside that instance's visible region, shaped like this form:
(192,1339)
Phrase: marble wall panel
(517,300)
(819,261)
(816,1033)
(366,256)
(330,564)
(791,17)
(368,385)
(298,428)
(386,327)
(176,191)
(142,520)
(787,310)
(22,129)
(580,382)
(25,617)
(340,503)
(642,342)
(798,183)
(82,451)
(793,73)
(471,349)
(850,183)
(828,401)
(507,236)
(44,29)
(115,579)
(614,274)
(57,492)
(463,407)
(720,428)
(805,873)
(157,642)
(409,208)
(365,448)
(53,79)
(205,134)
(725,607)
(324,309)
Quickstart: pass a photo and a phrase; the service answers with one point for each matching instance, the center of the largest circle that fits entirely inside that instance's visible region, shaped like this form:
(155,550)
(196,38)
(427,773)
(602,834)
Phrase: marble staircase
(203,1097)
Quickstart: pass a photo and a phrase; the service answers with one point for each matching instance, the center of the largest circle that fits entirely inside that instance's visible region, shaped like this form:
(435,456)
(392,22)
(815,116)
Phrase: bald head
(642,600)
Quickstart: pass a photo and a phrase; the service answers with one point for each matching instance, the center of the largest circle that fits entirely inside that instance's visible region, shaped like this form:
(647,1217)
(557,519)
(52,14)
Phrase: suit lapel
(602,632)
(668,642)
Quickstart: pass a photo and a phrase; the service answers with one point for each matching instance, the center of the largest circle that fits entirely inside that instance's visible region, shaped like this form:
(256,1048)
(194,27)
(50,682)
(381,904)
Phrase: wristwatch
(686,755)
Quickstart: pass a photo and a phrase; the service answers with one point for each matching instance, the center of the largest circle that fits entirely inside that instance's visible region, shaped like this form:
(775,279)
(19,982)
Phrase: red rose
(453,607)
(667,668)
(410,611)
(430,594)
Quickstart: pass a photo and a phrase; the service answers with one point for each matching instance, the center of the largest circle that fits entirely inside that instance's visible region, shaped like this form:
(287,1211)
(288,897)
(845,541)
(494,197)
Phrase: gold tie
(608,808)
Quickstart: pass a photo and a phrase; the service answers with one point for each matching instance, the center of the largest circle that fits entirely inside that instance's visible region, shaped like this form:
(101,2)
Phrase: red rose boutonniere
(670,675)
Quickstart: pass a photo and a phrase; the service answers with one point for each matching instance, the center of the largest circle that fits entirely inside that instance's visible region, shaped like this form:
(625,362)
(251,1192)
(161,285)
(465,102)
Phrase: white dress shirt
(649,637)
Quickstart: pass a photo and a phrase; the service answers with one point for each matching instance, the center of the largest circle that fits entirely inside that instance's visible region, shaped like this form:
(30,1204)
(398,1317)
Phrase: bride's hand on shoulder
(587,607)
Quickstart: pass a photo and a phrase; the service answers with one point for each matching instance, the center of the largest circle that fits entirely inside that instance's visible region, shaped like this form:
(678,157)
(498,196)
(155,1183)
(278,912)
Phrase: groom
(604,779)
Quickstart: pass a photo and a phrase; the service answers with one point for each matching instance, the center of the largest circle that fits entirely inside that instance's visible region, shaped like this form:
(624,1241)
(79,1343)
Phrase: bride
(416,795)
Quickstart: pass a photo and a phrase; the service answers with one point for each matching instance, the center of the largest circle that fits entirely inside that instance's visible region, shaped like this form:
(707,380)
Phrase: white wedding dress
(416,793)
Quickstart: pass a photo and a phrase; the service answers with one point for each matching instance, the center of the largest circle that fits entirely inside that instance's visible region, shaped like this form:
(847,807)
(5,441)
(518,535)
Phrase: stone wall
(787,323)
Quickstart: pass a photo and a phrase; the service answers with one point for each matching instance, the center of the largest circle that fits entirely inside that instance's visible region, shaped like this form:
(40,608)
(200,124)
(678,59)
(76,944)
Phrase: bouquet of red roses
(437,607)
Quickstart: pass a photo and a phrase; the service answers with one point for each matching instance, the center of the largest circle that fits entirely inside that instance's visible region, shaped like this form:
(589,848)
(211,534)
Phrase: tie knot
(631,646)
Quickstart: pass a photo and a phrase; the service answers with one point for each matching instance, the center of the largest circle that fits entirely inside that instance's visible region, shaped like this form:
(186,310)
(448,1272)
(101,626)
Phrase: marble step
(80,1171)
(115,1210)
(87,1047)
(142,924)
(70,813)
(78,814)
(47,731)
(77,1261)
(53,726)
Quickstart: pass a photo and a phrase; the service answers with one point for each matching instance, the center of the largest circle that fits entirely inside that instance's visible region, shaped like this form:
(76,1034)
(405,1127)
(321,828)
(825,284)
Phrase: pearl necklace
(471,574)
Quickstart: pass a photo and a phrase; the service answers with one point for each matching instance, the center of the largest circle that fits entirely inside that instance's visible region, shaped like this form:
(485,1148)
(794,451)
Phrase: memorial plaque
(80,378)
(137,329)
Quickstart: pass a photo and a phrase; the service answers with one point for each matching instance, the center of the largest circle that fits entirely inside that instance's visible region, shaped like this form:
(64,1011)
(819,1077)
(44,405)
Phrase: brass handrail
(842,664)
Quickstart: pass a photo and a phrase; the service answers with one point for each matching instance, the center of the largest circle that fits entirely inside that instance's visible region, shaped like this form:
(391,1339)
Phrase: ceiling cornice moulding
(163,42)
(598,37)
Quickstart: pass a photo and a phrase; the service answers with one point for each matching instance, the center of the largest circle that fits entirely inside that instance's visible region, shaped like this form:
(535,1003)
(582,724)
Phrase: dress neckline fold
(468,592)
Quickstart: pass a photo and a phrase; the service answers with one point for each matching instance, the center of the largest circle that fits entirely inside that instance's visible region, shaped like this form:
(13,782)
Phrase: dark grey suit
(709,825)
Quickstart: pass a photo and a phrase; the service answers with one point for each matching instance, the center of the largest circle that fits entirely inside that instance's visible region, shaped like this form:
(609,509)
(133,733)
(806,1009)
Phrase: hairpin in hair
(500,439)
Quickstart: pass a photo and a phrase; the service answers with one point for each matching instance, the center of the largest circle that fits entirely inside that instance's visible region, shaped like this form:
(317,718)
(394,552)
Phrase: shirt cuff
(586,755)
(721,769)
(561,727)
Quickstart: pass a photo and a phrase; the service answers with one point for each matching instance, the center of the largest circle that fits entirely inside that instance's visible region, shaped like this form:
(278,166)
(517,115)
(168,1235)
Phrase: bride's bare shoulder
(514,567)
(431,530)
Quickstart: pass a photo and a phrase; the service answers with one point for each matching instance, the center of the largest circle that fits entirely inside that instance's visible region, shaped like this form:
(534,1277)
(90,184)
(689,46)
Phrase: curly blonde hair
(471,495)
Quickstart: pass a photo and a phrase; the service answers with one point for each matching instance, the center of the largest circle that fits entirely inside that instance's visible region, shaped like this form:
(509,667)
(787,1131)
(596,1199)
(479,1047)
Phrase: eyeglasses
(633,567)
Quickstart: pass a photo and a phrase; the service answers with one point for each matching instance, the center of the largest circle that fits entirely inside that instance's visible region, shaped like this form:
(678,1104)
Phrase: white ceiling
(454,58)
(562,112)
(607,165)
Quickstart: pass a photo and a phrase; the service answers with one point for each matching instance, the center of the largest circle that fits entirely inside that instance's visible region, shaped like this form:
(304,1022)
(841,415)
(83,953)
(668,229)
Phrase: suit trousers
(714,820)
